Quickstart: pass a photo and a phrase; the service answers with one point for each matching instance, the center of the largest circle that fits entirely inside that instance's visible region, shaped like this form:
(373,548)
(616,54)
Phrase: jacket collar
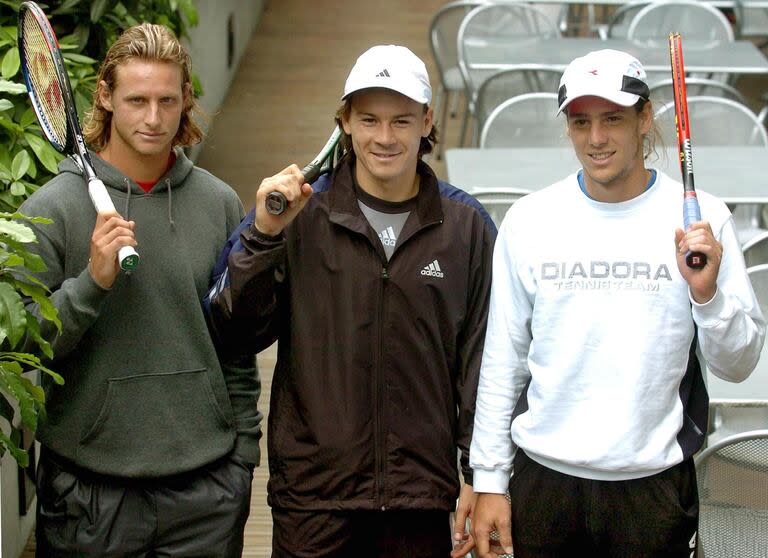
(344,208)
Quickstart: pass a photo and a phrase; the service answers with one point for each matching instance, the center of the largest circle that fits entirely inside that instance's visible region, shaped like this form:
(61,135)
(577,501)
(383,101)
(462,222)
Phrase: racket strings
(41,69)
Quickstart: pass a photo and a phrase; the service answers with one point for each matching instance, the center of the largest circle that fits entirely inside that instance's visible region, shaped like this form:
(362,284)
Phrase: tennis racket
(276,202)
(691,212)
(51,96)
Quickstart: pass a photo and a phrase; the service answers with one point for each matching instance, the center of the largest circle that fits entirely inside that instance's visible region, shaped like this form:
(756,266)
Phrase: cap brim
(414,95)
(621,98)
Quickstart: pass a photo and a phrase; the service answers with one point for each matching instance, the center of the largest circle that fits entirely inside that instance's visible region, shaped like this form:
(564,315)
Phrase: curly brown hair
(149,42)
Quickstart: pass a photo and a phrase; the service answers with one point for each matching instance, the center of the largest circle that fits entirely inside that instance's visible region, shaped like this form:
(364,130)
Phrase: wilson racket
(691,212)
(51,95)
(276,202)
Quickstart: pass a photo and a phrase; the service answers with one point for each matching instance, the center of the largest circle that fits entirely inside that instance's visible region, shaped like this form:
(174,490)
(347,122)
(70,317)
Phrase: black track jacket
(378,361)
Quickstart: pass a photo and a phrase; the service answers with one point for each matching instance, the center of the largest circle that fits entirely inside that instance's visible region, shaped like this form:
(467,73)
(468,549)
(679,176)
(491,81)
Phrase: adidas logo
(433,270)
(388,237)
(383,73)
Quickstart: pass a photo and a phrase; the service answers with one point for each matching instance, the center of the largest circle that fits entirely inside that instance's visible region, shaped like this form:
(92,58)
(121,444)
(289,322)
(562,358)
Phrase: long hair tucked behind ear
(426,146)
(152,43)
(653,137)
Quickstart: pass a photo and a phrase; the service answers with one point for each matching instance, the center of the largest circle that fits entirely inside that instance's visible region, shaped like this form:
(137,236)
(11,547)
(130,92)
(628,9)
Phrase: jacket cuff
(468,478)
(247,450)
(495,481)
(255,235)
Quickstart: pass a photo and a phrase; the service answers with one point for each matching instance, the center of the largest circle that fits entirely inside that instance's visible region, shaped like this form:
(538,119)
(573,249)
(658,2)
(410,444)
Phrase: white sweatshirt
(591,336)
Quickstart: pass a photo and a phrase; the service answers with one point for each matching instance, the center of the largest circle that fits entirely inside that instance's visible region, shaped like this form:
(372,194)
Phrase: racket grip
(127,256)
(276,203)
(692,214)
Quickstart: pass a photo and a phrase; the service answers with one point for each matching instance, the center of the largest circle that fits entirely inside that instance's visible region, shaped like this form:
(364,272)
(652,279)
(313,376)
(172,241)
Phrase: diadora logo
(383,73)
(388,237)
(433,270)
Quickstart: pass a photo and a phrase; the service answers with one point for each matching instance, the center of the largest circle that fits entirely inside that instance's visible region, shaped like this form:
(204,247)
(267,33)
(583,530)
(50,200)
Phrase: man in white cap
(591,395)
(375,281)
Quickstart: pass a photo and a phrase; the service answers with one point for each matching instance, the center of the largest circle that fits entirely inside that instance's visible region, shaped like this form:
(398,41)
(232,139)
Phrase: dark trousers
(556,515)
(361,534)
(200,514)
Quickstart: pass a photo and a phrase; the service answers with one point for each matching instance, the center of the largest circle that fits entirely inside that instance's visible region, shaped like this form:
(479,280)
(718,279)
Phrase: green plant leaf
(13,318)
(46,154)
(21,217)
(12,367)
(31,261)
(66,7)
(39,294)
(98,7)
(10,260)
(190,12)
(5,104)
(28,118)
(21,456)
(11,63)
(78,59)
(17,231)
(18,188)
(197,86)
(9,34)
(37,392)
(32,362)
(11,126)
(5,173)
(33,332)
(12,87)
(20,165)
(13,384)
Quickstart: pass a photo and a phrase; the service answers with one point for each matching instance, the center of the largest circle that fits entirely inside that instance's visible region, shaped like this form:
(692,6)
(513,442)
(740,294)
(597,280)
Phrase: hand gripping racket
(51,95)
(691,212)
(276,202)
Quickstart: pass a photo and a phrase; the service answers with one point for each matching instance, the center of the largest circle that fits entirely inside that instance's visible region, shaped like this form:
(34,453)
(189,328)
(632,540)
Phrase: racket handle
(276,203)
(692,214)
(127,256)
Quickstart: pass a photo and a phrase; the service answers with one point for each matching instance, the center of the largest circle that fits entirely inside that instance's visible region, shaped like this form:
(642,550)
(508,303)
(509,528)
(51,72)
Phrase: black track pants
(556,515)
(200,514)
(361,534)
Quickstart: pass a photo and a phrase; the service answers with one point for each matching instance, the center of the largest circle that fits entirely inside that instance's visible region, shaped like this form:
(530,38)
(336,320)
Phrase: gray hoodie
(145,394)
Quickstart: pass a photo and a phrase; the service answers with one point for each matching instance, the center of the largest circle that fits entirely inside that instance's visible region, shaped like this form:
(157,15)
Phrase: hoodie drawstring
(170,212)
(127,212)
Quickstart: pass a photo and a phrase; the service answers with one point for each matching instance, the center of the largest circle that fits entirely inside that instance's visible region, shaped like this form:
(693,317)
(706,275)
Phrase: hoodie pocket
(165,419)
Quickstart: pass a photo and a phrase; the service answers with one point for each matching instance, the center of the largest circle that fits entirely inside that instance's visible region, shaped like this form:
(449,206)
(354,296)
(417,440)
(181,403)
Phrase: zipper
(378,430)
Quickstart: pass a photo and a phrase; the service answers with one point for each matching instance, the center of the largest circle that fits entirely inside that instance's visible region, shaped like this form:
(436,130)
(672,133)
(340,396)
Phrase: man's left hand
(463,542)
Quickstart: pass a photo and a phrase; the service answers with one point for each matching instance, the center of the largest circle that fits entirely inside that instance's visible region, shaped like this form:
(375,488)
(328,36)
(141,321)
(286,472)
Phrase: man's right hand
(290,182)
(110,233)
(492,513)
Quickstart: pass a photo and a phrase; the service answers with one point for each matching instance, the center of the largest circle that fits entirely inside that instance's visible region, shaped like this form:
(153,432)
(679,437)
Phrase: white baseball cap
(391,67)
(611,74)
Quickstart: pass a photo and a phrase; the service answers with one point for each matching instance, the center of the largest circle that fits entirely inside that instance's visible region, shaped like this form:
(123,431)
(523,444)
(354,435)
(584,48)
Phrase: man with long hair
(149,446)
(375,282)
(591,395)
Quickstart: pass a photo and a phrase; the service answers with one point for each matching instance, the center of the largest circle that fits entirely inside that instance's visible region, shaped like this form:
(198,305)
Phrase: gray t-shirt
(386,218)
